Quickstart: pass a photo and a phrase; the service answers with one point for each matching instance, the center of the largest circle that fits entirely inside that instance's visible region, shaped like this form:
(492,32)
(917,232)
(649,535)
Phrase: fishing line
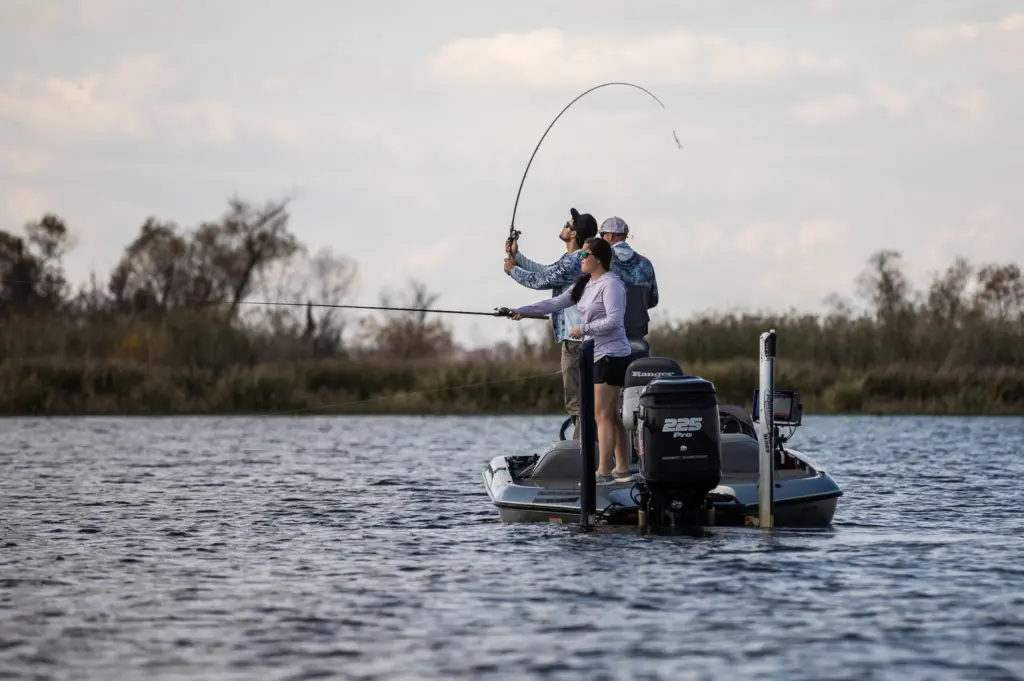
(498,312)
(414,393)
(514,233)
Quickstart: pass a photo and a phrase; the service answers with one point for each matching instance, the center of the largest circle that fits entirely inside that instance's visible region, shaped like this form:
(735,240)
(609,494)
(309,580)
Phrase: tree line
(175,303)
(968,316)
(178,289)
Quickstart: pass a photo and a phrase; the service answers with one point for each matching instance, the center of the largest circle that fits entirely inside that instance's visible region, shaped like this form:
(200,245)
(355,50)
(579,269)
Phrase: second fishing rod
(498,312)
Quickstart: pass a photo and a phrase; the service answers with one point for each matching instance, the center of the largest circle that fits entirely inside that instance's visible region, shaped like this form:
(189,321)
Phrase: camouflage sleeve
(653,300)
(560,273)
(527,264)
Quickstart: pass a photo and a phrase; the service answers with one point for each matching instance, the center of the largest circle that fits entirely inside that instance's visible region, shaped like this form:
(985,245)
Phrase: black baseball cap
(585,224)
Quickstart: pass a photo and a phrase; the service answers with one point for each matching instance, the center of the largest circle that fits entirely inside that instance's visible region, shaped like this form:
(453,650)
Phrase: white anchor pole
(766,425)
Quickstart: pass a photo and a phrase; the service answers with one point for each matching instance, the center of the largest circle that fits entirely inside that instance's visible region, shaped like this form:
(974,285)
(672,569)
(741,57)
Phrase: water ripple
(366,548)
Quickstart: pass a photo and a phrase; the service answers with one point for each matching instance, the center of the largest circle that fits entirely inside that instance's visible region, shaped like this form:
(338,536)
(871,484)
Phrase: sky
(813,133)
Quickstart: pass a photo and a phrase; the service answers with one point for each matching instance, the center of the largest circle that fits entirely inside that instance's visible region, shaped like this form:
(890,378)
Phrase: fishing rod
(498,311)
(513,233)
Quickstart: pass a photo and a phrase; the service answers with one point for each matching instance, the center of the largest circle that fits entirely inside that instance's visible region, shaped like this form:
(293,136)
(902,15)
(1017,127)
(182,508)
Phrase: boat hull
(795,514)
(805,497)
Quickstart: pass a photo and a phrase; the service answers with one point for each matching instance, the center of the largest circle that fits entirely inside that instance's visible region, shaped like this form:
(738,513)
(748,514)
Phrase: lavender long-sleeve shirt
(602,310)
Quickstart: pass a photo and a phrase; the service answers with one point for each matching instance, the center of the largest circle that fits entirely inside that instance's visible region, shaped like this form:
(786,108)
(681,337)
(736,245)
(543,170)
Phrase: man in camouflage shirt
(637,274)
(559,276)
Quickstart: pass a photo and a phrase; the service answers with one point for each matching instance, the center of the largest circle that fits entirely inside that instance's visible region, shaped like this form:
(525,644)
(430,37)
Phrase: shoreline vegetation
(169,332)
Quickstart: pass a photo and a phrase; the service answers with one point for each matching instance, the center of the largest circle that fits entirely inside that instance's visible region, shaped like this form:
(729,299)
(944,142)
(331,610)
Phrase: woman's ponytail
(577,288)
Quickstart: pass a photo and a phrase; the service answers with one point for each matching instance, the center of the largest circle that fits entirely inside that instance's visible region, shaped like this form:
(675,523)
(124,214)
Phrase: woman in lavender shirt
(600,297)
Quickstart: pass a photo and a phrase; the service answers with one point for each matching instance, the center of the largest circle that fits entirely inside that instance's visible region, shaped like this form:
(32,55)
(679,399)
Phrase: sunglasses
(583,255)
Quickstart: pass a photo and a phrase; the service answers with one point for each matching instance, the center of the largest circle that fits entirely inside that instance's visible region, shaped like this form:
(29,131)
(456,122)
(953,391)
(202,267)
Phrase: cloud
(989,233)
(950,37)
(942,111)
(97,13)
(960,103)
(841,106)
(998,43)
(140,98)
(829,108)
(20,204)
(31,16)
(18,161)
(117,101)
(873,97)
(144,97)
(825,6)
(772,239)
(427,258)
(40,18)
(973,103)
(767,264)
(549,58)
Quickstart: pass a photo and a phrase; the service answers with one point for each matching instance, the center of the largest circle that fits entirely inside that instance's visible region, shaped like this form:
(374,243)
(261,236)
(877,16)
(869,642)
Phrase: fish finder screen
(787,407)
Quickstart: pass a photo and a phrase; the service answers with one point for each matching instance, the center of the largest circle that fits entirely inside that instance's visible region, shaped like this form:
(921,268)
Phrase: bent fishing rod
(513,233)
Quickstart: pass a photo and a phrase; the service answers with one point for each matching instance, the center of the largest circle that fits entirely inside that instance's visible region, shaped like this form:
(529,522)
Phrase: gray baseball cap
(614,225)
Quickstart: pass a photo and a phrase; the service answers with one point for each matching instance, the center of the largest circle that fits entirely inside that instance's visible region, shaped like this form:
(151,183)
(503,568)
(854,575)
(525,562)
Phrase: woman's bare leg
(621,447)
(605,399)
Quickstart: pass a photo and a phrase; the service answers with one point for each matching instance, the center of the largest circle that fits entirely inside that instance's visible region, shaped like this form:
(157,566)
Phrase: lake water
(366,548)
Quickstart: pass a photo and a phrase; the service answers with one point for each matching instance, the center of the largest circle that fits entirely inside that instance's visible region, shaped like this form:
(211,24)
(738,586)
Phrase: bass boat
(695,462)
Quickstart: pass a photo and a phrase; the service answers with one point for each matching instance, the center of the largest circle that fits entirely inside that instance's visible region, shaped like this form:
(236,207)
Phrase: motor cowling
(639,375)
(679,436)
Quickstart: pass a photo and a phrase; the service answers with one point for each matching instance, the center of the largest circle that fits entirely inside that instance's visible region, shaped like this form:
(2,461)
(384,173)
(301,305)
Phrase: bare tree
(216,263)
(947,301)
(322,278)
(408,335)
(1001,292)
(152,273)
(885,285)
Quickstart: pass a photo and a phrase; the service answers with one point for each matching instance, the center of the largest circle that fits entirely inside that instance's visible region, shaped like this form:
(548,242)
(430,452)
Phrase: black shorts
(611,370)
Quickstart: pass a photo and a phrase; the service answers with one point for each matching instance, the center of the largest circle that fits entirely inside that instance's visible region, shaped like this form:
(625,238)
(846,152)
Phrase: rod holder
(588,436)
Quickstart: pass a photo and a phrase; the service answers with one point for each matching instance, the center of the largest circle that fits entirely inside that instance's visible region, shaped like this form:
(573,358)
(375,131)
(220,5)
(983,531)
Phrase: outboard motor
(675,424)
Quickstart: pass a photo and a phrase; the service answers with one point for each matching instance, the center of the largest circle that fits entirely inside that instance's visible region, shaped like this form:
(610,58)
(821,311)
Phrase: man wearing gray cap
(558,276)
(637,273)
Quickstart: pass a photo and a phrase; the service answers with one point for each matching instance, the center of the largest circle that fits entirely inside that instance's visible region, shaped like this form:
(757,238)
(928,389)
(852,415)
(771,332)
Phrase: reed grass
(50,387)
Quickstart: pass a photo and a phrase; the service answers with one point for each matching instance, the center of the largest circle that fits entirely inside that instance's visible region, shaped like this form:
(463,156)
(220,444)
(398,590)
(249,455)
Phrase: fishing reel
(513,235)
(510,313)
